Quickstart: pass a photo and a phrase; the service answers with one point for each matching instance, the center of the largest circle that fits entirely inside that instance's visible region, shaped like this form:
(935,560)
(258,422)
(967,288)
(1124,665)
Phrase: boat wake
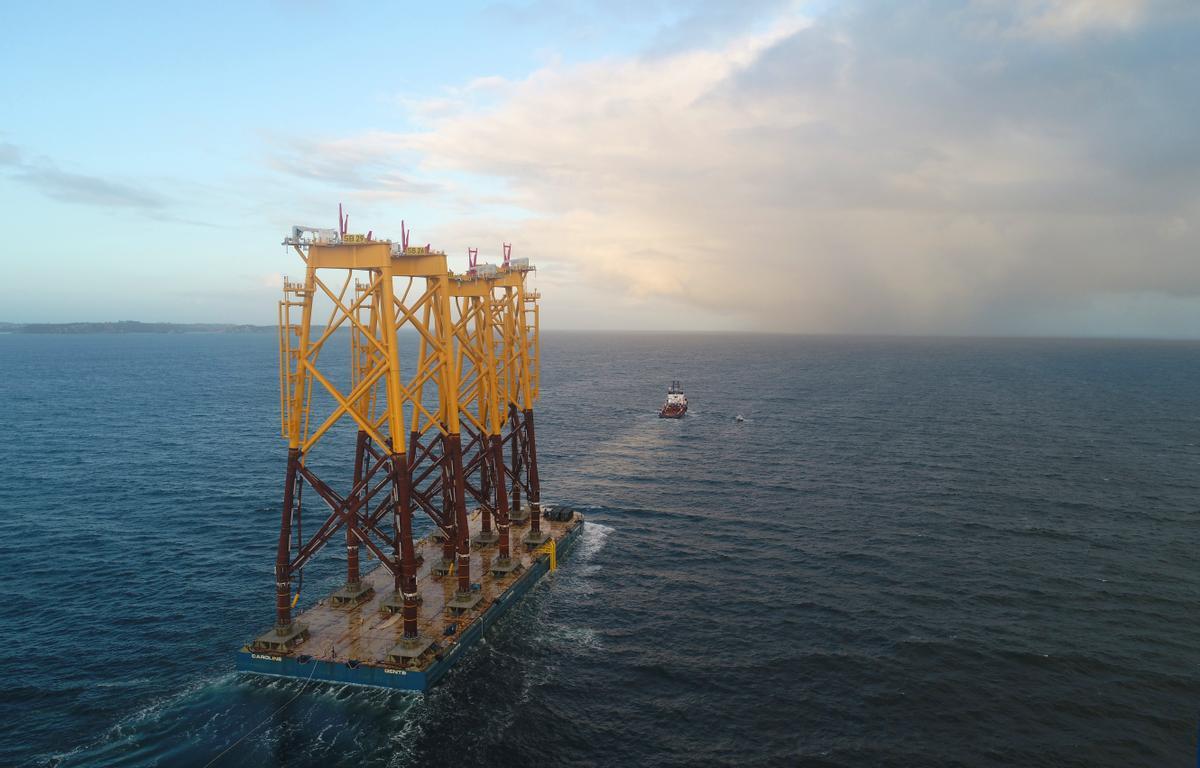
(123,735)
(595,535)
(254,718)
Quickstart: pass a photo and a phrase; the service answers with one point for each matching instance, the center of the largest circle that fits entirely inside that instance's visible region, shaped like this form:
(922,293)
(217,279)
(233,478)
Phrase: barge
(358,643)
(436,435)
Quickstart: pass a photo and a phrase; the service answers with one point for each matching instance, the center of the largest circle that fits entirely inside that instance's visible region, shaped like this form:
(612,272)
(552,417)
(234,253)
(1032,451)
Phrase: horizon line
(708,332)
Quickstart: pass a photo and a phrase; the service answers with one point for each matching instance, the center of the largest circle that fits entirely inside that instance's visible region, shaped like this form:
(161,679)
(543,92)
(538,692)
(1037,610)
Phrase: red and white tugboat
(676,404)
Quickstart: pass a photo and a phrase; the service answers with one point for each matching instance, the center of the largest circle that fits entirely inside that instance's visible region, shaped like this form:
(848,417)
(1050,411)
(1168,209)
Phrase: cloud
(88,190)
(370,164)
(913,167)
(10,154)
(1068,18)
(46,177)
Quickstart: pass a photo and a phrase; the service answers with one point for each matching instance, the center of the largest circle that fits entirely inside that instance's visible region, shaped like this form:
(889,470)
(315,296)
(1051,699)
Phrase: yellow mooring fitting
(295,599)
(550,548)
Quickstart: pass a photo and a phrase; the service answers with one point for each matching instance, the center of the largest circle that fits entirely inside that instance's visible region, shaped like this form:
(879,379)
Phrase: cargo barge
(357,643)
(446,435)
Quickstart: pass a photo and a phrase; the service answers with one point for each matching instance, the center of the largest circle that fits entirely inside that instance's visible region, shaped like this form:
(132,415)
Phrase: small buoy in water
(739,418)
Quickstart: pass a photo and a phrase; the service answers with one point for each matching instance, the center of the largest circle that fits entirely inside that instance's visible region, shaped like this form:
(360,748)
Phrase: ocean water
(912,552)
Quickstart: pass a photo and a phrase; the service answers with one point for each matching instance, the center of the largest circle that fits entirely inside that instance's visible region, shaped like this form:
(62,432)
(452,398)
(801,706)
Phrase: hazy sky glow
(985,166)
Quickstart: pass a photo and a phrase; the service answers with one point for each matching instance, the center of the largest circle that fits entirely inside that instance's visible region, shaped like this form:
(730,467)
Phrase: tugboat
(676,404)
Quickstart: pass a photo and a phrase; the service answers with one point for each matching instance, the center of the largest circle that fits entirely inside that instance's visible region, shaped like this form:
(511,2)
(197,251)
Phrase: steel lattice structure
(432,427)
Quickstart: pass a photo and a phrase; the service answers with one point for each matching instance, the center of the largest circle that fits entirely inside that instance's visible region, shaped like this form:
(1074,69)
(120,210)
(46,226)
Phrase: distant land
(131,326)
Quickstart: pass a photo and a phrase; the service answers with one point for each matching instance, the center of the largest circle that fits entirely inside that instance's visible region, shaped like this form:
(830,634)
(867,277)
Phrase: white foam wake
(595,535)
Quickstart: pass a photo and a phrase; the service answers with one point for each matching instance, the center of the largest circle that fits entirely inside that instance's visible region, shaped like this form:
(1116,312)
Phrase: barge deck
(359,643)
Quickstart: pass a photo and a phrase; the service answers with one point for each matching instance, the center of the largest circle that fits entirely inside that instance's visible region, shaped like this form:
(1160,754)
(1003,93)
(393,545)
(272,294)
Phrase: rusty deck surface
(365,633)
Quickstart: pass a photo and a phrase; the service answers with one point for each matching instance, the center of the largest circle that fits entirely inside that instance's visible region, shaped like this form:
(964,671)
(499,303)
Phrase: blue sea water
(912,552)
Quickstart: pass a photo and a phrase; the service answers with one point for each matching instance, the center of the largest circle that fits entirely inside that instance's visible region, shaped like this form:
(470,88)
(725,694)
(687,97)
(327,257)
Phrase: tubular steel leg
(406,578)
(535,491)
(497,448)
(462,533)
(449,543)
(283,576)
(353,576)
(516,461)
(485,483)
(413,444)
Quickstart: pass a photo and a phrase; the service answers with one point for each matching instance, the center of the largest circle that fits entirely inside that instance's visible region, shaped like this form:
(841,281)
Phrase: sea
(909,552)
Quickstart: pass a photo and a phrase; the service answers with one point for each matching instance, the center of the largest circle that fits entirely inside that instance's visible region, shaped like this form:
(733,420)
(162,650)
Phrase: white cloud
(882,170)
(1073,17)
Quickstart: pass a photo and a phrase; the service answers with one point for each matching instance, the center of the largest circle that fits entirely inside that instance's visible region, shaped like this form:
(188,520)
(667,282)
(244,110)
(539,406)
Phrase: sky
(979,167)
